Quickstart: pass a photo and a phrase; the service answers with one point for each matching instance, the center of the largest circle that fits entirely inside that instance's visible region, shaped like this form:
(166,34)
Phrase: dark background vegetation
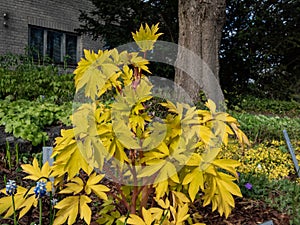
(260,43)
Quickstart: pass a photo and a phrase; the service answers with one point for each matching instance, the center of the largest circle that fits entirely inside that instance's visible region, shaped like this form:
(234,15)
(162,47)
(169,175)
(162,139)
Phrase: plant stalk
(14,208)
(41,211)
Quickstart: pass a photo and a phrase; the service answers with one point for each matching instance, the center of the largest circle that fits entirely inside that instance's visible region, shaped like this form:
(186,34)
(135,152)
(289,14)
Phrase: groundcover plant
(142,158)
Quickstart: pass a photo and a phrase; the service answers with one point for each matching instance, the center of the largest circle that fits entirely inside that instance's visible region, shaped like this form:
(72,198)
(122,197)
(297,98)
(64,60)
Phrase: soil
(246,211)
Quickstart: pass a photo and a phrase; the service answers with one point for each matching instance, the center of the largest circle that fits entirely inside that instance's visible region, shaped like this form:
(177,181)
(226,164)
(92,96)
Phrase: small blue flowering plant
(23,199)
(11,187)
(40,189)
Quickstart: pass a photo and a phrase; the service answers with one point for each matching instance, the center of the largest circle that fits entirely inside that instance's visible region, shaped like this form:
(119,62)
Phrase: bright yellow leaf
(85,211)
(146,37)
(68,210)
(35,172)
(74,186)
(92,184)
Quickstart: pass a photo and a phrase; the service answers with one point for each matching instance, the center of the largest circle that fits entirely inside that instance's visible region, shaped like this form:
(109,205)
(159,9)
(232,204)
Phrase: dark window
(54,46)
(71,48)
(36,43)
(58,46)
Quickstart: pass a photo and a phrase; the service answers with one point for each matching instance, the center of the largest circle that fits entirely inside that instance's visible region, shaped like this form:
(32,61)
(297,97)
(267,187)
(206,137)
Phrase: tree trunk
(197,64)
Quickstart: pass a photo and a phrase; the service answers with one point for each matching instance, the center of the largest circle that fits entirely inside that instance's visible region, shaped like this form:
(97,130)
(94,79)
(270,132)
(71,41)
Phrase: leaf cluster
(27,119)
(33,81)
(261,128)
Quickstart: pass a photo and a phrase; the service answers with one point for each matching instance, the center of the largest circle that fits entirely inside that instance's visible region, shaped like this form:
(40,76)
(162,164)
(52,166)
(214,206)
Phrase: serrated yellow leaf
(196,181)
(75,186)
(68,210)
(147,216)
(126,75)
(161,188)
(139,62)
(135,220)
(72,161)
(211,106)
(156,212)
(124,135)
(232,187)
(164,204)
(194,160)
(180,197)
(182,214)
(240,134)
(34,171)
(27,204)
(171,107)
(211,170)
(100,190)
(93,180)
(85,211)
(227,164)
(150,170)
(20,202)
(146,37)
(206,135)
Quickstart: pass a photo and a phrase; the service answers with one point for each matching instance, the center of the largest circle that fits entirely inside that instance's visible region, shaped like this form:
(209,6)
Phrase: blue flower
(40,189)
(11,187)
(248,186)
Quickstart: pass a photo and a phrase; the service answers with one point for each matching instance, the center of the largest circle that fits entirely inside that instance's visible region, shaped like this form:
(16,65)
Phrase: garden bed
(246,211)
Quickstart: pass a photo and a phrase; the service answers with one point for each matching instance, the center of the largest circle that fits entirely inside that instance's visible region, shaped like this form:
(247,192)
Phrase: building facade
(45,28)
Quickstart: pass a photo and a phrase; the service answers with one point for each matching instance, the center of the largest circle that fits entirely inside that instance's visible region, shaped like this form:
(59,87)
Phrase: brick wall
(53,14)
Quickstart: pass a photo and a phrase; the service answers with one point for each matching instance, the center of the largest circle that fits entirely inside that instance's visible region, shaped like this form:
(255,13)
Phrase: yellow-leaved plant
(145,159)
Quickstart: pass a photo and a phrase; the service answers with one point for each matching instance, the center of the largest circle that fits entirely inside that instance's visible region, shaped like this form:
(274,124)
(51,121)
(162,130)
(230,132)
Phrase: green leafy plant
(8,155)
(144,169)
(283,194)
(261,128)
(33,80)
(269,107)
(26,119)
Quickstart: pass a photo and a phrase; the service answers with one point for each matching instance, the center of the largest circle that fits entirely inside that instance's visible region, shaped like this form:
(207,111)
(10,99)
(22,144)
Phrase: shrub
(261,128)
(152,167)
(27,119)
(270,107)
(33,81)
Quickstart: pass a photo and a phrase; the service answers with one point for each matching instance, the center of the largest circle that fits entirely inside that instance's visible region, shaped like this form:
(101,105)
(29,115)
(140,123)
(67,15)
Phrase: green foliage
(259,40)
(259,49)
(129,18)
(22,79)
(261,127)
(265,106)
(282,195)
(26,119)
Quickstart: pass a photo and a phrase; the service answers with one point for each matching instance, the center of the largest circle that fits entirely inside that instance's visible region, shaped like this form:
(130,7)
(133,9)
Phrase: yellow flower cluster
(271,159)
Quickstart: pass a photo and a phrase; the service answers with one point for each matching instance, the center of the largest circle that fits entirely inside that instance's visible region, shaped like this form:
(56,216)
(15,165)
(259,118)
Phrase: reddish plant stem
(123,200)
(135,187)
(120,200)
(144,187)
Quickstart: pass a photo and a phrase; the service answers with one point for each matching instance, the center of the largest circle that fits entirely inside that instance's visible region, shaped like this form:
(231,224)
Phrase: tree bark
(197,64)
